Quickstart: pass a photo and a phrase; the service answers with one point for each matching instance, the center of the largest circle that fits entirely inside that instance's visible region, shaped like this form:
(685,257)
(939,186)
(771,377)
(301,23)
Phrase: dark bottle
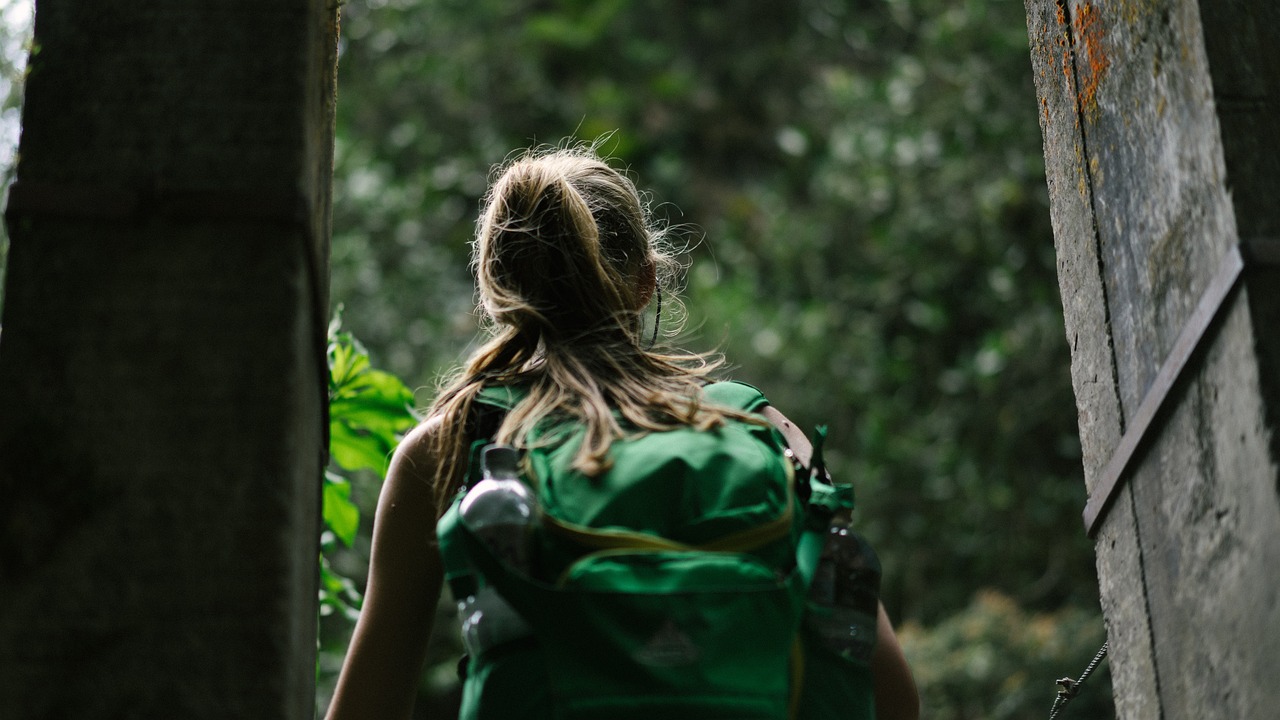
(845,594)
(500,510)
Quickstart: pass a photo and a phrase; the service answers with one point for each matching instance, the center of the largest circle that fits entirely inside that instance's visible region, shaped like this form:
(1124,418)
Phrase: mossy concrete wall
(1157,116)
(162,373)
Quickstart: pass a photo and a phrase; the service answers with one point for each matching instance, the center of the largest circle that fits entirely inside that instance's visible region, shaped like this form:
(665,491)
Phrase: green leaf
(340,513)
(386,415)
(354,449)
(368,409)
(347,360)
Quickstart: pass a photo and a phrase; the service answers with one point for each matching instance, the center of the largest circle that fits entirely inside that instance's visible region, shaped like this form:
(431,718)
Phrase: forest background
(861,190)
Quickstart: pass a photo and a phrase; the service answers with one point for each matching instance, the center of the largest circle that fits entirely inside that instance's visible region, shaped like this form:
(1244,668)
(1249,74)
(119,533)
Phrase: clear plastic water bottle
(846,591)
(500,510)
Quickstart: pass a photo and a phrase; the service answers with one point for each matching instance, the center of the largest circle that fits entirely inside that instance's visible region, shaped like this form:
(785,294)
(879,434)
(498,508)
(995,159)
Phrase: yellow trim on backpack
(610,539)
(797,677)
(758,536)
(564,576)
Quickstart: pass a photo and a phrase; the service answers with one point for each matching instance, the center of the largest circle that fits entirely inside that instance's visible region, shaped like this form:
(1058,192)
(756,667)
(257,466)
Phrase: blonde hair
(566,257)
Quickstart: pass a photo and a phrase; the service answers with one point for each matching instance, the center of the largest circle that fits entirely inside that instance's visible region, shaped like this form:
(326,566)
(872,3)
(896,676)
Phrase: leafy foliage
(877,252)
(369,410)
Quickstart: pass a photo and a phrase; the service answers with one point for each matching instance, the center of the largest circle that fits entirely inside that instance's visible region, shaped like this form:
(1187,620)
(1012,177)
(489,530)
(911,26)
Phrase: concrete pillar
(162,374)
(1157,118)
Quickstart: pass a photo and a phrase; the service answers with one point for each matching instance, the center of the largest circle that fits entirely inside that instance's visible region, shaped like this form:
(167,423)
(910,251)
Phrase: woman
(566,260)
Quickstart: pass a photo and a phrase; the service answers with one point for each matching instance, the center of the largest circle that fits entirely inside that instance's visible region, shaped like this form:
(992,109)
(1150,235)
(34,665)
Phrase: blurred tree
(993,660)
(910,268)
(878,255)
(868,179)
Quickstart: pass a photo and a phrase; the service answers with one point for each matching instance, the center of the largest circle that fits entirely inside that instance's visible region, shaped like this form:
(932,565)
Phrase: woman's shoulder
(426,429)
(417,450)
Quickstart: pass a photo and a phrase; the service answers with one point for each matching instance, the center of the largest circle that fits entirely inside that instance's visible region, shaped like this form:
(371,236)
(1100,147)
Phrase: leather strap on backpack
(802,450)
(796,440)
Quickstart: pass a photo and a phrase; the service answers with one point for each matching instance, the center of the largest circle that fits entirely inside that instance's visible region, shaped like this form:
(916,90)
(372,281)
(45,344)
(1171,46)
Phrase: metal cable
(1069,688)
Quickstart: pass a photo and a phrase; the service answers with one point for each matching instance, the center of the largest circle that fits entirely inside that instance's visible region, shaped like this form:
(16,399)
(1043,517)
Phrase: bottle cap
(500,460)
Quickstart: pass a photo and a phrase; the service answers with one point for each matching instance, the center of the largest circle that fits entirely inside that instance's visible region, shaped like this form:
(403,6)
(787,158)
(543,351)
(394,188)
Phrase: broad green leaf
(380,414)
(346,363)
(356,450)
(368,409)
(341,514)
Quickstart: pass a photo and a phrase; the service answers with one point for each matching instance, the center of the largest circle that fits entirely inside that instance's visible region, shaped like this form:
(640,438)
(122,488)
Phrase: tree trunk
(162,372)
(1156,118)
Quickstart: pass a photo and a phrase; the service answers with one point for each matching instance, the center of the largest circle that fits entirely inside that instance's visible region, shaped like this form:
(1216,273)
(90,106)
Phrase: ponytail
(565,257)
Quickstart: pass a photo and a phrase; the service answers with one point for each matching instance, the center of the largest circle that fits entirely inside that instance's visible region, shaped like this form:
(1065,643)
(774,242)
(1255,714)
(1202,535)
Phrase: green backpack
(672,586)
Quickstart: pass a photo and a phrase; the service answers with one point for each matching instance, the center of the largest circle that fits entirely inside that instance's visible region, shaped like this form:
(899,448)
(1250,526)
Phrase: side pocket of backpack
(508,682)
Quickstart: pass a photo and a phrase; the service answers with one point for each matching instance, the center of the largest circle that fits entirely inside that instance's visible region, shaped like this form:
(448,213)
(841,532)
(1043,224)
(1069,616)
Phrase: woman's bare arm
(380,675)
(896,694)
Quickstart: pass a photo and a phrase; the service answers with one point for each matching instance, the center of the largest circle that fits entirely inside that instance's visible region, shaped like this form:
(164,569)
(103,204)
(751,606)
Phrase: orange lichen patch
(1064,39)
(1048,43)
(1059,57)
(1090,32)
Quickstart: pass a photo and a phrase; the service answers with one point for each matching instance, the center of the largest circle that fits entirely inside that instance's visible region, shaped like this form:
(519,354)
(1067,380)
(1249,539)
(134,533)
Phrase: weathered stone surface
(1146,203)
(172,95)
(1085,311)
(1075,236)
(1210,529)
(162,408)
(1163,214)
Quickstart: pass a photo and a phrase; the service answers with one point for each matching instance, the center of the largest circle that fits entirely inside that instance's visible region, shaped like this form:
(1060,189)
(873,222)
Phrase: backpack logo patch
(669,647)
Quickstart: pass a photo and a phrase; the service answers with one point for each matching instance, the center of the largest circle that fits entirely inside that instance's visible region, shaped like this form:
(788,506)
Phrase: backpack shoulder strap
(795,438)
(741,396)
(734,394)
(495,401)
